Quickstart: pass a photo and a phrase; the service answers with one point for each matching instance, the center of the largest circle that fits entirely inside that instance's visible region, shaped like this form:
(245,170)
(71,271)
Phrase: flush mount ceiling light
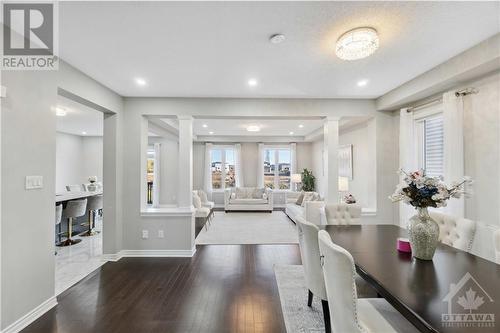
(301,126)
(210,132)
(253,128)
(291,133)
(357,44)
(205,125)
(60,112)
(252,82)
(277,38)
(84,133)
(362,83)
(140,81)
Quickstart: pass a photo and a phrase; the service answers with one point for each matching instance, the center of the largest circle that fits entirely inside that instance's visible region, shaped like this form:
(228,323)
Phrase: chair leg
(309,298)
(326,316)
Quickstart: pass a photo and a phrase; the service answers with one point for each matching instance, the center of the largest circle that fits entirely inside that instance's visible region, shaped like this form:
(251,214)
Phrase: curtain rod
(458,93)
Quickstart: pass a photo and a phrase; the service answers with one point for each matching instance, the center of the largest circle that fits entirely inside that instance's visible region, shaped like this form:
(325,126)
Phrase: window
(150,174)
(277,168)
(430,147)
(222,166)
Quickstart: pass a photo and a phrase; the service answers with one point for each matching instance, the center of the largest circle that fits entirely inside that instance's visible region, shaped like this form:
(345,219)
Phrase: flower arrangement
(421,191)
(92,179)
(349,199)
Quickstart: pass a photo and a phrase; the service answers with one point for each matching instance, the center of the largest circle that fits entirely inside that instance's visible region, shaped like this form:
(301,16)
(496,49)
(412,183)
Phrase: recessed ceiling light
(84,133)
(140,81)
(210,132)
(291,133)
(205,125)
(253,82)
(362,83)
(60,112)
(277,38)
(357,44)
(253,128)
(301,126)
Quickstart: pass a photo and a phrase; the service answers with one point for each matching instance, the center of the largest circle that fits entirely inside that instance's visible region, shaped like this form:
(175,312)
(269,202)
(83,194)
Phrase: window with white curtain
(223,168)
(429,137)
(277,166)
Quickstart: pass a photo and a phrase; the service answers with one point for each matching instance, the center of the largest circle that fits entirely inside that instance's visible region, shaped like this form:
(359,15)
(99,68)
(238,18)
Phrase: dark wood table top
(420,289)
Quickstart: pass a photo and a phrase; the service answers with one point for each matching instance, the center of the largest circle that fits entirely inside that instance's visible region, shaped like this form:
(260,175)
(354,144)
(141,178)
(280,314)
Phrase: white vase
(423,234)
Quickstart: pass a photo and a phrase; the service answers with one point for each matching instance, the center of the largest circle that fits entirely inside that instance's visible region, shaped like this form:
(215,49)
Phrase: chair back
(203,196)
(309,251)
(95,202)
(74,188)
(339,272)
(75,208)
(196,200)
(455,231)
(59,209)
(342,214)
(496,238)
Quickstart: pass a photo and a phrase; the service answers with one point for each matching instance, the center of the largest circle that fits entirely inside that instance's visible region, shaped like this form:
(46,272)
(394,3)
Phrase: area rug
(293,297)
(249,228)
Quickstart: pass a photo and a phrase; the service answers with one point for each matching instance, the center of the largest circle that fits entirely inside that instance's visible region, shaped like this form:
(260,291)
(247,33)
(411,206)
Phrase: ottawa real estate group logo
(29,38)
(469,305)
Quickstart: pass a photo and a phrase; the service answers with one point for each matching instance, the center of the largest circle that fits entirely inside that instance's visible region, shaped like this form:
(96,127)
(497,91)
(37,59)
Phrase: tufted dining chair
(348,313)
(457,232)
(496,237)
(342,214)
(309,252)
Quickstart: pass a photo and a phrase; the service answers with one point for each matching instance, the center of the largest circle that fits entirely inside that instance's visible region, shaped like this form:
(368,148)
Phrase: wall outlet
(34,182)
(161,234)
(145,234)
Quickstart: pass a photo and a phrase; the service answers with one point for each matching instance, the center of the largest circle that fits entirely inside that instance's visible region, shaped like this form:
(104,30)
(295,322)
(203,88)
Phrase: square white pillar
(331,153)
(185,188)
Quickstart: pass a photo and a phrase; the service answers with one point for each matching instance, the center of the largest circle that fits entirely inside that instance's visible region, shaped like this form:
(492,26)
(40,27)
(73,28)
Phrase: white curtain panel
(293,158)
(207,172)
(237,165)
(453,142)
(157,175)
(407,157)
(260,166)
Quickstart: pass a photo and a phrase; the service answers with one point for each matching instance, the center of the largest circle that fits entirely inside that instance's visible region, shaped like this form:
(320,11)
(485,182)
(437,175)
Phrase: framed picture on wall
(345,161)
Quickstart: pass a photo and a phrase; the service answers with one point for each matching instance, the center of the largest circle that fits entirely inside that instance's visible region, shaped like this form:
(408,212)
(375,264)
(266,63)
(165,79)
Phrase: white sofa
(310,210)
(248,199)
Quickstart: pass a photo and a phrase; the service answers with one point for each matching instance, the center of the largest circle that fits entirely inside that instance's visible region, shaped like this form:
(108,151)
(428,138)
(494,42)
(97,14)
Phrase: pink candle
(403,245)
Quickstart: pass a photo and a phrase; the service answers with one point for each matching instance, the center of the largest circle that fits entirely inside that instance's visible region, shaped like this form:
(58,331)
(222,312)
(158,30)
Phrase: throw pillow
(264,196)
(233,195)
(241,193)
(300,198)
(307,197)
(258,193)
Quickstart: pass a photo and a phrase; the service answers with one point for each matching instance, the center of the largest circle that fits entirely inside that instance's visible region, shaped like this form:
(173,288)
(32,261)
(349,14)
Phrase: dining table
(455,292)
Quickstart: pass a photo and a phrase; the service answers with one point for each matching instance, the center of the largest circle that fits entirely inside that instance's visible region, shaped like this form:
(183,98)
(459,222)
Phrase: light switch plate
(34,182)
(161,234)
(145,234)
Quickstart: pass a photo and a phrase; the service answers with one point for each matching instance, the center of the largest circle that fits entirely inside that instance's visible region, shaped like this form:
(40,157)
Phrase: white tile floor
(73,263)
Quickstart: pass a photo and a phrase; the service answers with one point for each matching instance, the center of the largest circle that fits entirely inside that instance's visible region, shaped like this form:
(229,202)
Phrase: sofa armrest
(270,201)
(227,197)
(313,212)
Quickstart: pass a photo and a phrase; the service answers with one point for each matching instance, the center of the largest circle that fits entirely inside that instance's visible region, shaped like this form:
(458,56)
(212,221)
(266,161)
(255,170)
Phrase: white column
(184,197)
(331,151)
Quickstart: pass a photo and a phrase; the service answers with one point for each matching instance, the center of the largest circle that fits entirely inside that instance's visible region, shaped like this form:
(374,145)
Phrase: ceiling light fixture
(210,132)
(140,82)
(301,126)
(60,112)
(362,83)
(277,38)
(205,125)
(252,82)
(84,133)
(291,133)
(253,128)
(357,44)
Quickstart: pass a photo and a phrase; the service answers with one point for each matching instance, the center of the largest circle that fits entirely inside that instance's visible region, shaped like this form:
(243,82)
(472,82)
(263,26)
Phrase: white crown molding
(31,316)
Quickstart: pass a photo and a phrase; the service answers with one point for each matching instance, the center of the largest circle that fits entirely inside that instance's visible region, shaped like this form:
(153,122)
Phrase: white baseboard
(31,316)
(149,254)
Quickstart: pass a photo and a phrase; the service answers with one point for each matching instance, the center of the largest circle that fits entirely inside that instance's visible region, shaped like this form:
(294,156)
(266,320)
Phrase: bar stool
(73,209)
(58,222)
(94,204)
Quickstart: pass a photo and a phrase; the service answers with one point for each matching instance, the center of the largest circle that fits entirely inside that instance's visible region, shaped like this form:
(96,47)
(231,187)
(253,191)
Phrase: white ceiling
(195,49)
(79,118)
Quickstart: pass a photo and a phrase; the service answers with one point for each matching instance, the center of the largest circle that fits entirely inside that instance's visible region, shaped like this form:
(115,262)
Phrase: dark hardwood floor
(223,288)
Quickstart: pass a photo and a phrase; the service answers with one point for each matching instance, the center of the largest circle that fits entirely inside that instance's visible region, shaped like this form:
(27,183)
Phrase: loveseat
(309,208)
(248,199)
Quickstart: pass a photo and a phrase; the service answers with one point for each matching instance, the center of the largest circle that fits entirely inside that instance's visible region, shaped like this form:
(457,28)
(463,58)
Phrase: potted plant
(421,192)
(307,181)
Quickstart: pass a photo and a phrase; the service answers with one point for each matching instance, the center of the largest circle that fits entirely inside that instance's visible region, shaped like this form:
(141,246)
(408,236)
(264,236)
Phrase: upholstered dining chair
(205,203)
(201,213)
(347,312)
(342,214)
(309,251)
(496,237)
(455,231)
